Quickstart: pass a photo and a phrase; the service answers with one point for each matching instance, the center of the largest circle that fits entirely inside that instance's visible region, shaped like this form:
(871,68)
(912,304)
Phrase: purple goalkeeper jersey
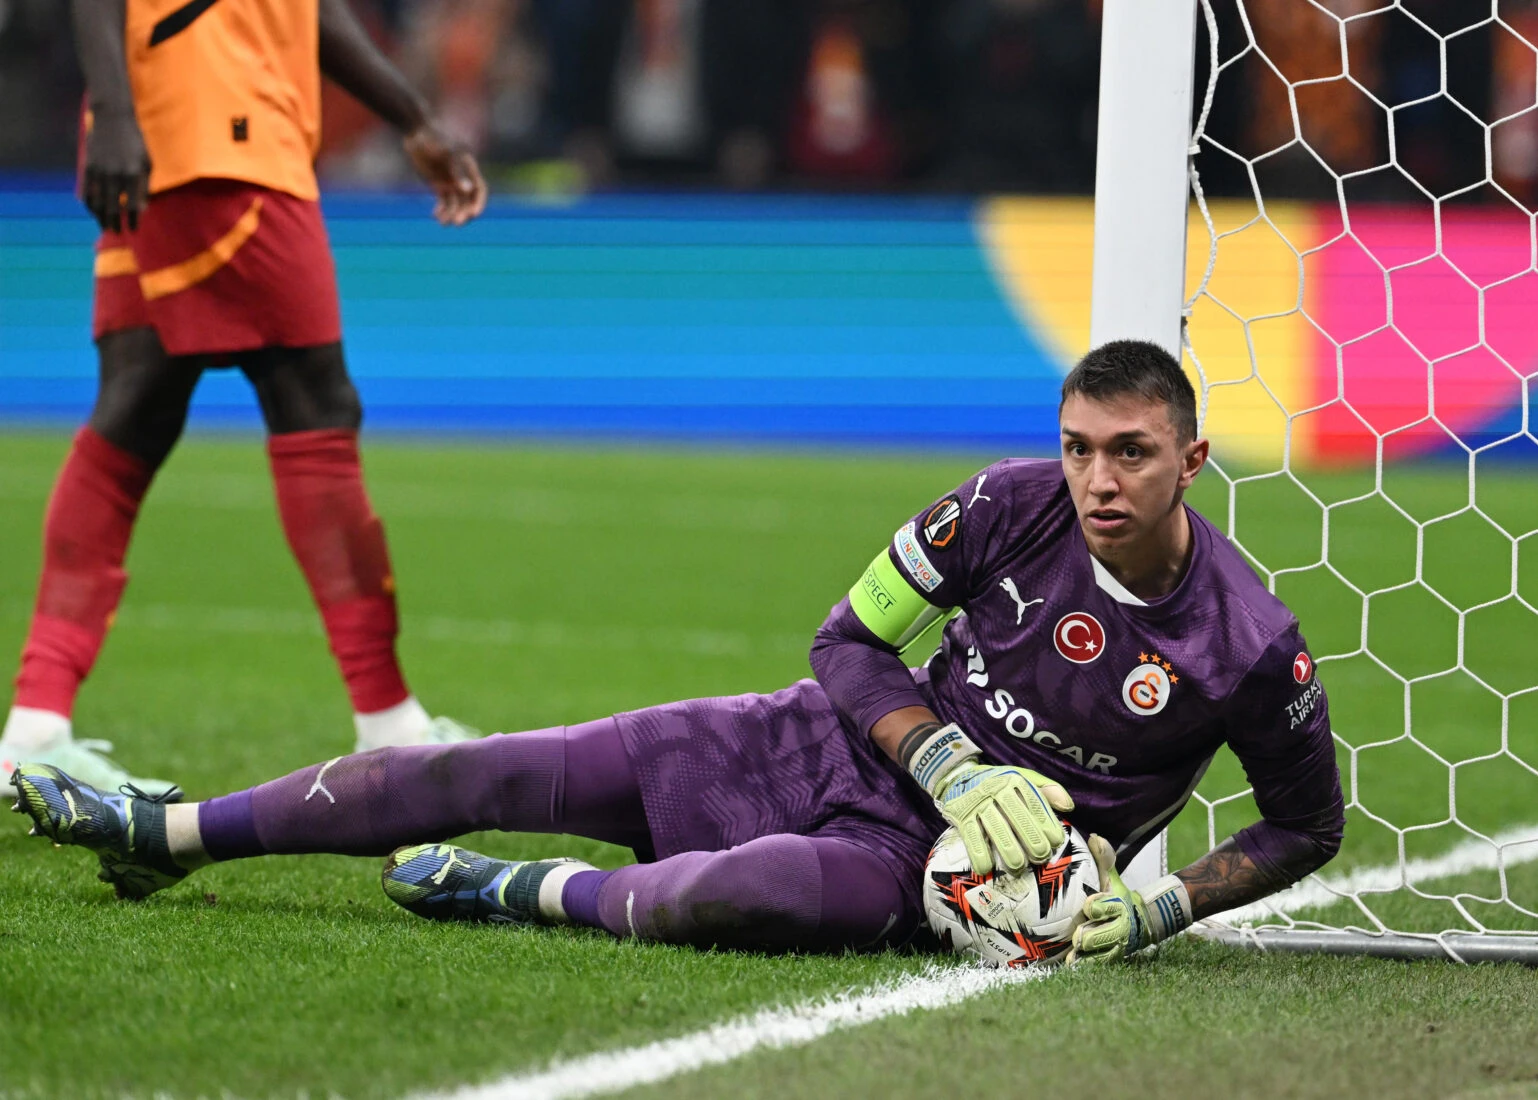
(1055,666)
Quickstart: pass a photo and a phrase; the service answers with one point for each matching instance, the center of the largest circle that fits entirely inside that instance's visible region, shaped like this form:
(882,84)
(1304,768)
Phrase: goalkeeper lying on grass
(1112,640)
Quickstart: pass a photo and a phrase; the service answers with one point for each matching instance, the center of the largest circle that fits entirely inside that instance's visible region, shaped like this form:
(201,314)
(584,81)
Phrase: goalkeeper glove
(1013,810)
(1119,921)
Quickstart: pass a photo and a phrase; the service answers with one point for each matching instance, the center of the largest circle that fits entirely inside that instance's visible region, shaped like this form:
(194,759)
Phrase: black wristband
(912,740)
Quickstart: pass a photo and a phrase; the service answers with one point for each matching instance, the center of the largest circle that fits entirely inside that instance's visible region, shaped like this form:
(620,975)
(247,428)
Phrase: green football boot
(444,730)
(441,730)
(443,882)
(127,831)
(87,761)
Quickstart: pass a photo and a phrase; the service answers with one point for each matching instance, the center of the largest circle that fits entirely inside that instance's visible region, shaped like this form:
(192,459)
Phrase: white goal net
(1363,322)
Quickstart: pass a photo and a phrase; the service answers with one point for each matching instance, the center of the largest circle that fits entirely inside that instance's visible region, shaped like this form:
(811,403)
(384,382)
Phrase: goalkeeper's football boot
(127,830)
(444,882)
(86,761)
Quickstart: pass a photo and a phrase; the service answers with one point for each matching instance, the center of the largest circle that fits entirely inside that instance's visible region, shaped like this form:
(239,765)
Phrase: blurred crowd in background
(926,95)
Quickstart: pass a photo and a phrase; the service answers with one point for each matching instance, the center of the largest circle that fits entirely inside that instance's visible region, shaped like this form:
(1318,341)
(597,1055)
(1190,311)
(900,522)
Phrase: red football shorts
(221,266)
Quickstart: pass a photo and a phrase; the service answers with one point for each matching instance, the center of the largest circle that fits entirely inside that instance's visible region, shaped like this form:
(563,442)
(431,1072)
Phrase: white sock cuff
(30,729)
(402,724)
(553,884)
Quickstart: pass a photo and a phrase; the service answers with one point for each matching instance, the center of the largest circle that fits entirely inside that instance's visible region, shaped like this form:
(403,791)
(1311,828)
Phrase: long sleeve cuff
(1288,853)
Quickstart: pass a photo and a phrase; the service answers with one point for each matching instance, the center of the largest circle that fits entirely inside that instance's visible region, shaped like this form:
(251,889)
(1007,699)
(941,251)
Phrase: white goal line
(768,1029)
(937,987)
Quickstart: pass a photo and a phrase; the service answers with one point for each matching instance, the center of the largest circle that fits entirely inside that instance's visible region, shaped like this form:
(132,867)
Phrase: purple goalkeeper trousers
(777,892)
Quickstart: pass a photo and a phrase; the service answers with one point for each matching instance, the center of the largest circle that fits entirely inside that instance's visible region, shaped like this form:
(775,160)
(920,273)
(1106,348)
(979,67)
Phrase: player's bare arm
(1226,878)
(1119,921)
(898,734)
(115,186)
(1290,762)
(349,57)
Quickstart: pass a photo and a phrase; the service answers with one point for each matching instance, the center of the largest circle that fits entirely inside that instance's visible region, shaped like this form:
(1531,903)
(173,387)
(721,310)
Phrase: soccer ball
(1008,919)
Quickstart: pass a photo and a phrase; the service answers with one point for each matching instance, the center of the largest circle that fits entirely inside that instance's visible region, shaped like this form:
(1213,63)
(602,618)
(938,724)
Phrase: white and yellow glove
(1119,921)
(1014,811)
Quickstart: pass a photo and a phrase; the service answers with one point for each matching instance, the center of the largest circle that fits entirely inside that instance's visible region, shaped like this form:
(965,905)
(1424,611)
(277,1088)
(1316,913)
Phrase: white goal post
(1141,193)
(1152,145)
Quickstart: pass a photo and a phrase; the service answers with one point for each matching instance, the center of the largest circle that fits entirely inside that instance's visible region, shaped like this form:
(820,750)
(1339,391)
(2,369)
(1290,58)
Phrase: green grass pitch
(547,585)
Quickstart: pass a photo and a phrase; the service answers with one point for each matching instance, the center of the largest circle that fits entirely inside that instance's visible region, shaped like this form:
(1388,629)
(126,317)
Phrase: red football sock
(85,538)
(340,545)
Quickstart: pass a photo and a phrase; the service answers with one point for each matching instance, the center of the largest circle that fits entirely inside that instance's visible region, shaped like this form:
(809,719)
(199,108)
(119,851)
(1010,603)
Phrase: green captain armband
(888,605)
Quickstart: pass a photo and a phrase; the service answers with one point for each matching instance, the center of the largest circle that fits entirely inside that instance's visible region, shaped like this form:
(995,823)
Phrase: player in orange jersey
(200,136)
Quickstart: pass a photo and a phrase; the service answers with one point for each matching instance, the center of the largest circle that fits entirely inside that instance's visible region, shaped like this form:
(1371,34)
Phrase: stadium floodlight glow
(1448,863)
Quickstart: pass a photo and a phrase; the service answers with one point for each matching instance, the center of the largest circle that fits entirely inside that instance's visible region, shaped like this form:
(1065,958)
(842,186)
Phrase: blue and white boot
(445,882)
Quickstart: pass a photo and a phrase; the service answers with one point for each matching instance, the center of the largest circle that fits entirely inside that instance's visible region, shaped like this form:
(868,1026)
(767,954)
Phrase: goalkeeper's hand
(1002,808)
(1013,811)
(1119,921)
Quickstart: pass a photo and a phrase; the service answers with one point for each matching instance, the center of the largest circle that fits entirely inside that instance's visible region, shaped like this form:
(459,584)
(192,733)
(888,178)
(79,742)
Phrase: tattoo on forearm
(1225,878)
(912,740)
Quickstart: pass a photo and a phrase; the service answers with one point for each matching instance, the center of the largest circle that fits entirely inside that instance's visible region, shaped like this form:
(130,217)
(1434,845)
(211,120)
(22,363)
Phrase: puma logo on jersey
(1008,585)
(977,493)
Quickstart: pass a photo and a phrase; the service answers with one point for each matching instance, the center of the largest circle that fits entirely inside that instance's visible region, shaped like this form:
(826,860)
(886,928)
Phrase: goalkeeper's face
(1127,470)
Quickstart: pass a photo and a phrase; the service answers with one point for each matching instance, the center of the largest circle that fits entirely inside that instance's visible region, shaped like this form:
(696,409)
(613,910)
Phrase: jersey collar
(1111,586)
(1118,591)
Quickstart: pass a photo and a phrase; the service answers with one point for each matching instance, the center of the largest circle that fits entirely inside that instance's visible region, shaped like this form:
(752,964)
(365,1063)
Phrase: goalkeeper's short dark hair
(1137,367)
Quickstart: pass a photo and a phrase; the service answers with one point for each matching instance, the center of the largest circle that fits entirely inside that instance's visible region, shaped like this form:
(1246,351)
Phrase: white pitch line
(937,987)
(1510,848)
(769,1029)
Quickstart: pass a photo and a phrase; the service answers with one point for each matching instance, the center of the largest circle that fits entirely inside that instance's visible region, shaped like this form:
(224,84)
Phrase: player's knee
(305,389)
(145,431)
(143,395)
(766,893)
(863,901)
(334,397)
